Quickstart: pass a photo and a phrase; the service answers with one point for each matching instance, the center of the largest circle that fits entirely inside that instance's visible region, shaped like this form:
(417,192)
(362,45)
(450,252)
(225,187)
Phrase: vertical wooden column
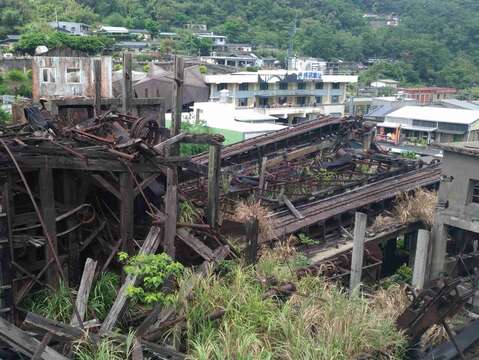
(252,235)
(127,88)
(97,79)
(358,250)
(171,198)
(7,308)
(214,173)
(126,211)
(439,247)
(47,200)
(421,259)
(70,199)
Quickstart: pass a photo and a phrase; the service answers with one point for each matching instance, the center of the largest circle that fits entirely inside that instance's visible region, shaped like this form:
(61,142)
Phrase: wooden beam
(127,88)
(360,222)
(97,80)
(291,207)
(179,70)
(150,245)
(66,333)
(171,210)
(24,343)
(214,173)
(70,199)
(196,244)
(47,200)
(126,211)
(252,235)
(160,148)
(84,290)
(420,271)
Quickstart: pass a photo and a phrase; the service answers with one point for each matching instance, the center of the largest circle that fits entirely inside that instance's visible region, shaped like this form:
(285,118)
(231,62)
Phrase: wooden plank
(97,80)
(171,210)
(47,200)
(179,70)
(149,246)
(360,222)
(291,207)
(127,88)
(67,333)
(196,244)
(24,343)
(126,211)
(84,290)
(160,148)
(214,173)
(252,235)
(70,199)
(137,351)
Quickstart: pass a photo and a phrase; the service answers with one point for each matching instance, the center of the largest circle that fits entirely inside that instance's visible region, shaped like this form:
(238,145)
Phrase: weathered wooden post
(421,259)
(127,211)
(360,221)
(214,173)
(47,201)
(70,199)
(171,198)
(97,79)
(252,235)
(127,88)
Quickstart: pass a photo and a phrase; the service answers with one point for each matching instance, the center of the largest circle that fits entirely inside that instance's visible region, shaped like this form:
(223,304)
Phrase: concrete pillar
(439,243)
(421,259)
(358,250)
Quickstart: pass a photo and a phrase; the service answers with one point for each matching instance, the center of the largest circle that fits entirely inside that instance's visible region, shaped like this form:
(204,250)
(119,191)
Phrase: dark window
(334,99)
(425,123)
(301,86)
(474,191)
(243,87)
(283,86)
(301,100)
(157,92)
(319,100)
(146,92)
(263,86)
(263,101)
(336,85)
(242,101)
(222,86)
(319,85)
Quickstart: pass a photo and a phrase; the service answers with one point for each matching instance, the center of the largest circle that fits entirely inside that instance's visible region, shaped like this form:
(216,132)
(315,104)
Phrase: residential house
(73,28)
(219,41)
(140,34)
(114,30)
(131,45)
(234,60)
(289,95)
(458,203)
(239,48)
(382,83)
(384,105)
(9,42)
(428,124)
(428,95)
(307,64)
(382,20)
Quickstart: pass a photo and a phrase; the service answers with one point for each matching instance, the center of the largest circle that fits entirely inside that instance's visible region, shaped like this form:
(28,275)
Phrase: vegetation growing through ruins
(16,82)
(108,348)
(154,271)
(319,321)
(193,128)
(304,239)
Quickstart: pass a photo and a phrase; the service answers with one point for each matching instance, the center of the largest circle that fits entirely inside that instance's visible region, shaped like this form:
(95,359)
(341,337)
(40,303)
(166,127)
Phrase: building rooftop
(461,104)
(272,76)
(467,148)
(388,81)
(431,89)
(439,114)
(114,29)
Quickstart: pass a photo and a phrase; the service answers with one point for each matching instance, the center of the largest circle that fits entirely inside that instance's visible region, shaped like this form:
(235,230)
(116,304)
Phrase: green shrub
(108,348)
(153,271)
(103,295)
(56,305)
(306,240)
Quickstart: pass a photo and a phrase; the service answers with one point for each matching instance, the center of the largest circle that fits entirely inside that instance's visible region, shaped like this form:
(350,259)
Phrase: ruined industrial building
(93,184)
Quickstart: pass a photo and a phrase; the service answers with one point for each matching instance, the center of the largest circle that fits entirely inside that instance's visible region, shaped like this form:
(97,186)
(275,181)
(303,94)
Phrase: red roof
(431,89)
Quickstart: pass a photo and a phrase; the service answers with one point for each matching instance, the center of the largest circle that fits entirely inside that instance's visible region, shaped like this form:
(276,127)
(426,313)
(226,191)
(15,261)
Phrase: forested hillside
(436,42)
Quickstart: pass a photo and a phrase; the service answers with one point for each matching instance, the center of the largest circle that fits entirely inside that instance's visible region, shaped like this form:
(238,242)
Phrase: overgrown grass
(320,321)
(56,305)
(103,295)
(109,348)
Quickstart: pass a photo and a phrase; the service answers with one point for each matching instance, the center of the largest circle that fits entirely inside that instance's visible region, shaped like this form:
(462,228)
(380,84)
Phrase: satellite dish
(41,49)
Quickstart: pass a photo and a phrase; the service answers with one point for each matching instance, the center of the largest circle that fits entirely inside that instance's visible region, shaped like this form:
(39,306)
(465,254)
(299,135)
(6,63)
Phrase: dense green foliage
(436,41)
(16,82)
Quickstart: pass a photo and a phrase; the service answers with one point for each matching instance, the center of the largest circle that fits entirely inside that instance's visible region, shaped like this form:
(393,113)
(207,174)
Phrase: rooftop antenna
(291,33)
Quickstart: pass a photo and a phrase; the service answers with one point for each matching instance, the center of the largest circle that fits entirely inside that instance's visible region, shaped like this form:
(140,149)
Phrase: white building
(70,27)
(233,123)
(385,83)
(289,95)
(114,30)
(219,41)
(427,124)
(307,64)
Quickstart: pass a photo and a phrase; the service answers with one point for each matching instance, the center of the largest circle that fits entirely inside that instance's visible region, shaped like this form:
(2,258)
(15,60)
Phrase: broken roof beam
(24,343)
